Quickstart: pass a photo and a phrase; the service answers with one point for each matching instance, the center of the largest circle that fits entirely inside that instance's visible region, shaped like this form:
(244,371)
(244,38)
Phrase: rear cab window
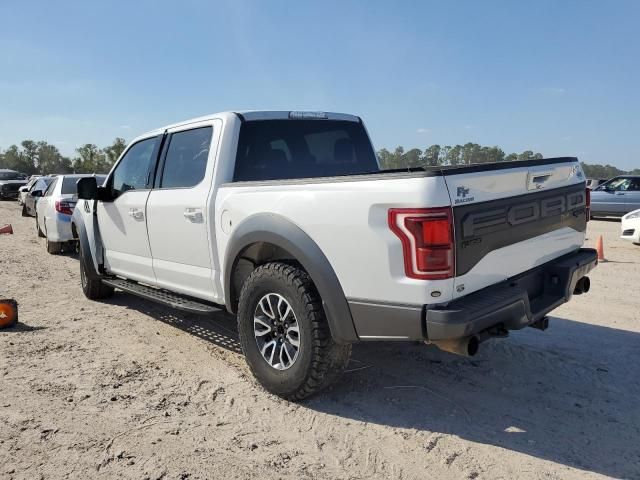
(289,149)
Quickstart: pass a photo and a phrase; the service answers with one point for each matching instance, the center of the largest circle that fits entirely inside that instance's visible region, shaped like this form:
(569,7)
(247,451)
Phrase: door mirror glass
(87,188)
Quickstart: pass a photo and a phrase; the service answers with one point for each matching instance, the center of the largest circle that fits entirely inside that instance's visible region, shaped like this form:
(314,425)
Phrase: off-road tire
(320,360)
(93,289)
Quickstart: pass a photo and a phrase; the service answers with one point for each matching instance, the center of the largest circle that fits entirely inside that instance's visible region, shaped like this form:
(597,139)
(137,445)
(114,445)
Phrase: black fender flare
(279,231)
(86,257)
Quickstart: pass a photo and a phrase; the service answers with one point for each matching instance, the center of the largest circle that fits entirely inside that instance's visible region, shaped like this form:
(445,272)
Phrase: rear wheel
(54,247)
(284,333)
(93,289)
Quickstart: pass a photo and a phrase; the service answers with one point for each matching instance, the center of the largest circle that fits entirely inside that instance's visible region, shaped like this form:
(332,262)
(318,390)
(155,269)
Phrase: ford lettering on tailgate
(487,226)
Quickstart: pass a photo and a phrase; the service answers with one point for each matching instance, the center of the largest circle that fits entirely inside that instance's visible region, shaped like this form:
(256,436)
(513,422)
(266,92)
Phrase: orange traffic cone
(6,228)
(600,249)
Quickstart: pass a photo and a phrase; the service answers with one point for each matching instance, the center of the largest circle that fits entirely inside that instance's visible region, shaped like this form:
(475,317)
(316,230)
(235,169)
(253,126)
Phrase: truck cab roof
(252,115)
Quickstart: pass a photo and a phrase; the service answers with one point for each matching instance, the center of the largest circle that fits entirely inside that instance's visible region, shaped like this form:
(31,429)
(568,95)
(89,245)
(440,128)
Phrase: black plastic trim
(514,303)
(487,167)
(280,232)
(383,321)
(86,257)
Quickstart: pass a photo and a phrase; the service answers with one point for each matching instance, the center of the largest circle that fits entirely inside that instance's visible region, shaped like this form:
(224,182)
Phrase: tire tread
(329,359)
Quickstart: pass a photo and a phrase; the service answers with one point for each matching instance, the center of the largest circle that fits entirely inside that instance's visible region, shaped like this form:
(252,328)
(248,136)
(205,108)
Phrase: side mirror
(87,188)
(36,193)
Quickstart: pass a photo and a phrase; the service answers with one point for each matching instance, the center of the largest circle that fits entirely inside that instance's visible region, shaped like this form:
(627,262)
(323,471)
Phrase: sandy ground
(130,389)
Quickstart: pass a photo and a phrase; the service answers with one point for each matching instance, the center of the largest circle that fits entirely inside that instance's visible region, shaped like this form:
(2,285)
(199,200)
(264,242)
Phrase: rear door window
(185,162)
(286,149)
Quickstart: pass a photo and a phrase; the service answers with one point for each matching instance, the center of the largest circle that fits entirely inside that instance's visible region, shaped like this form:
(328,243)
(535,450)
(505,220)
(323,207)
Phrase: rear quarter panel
(347,219)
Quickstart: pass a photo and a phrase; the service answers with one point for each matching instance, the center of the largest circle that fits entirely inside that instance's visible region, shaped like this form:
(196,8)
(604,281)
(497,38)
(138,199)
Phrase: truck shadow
(570,395)
(219,329)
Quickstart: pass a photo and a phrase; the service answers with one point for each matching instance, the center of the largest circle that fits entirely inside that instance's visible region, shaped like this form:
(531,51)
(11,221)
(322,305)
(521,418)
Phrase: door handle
(136,213)
(193,215)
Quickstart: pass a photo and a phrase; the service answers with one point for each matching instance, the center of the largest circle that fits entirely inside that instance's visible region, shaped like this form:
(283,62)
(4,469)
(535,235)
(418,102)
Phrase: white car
(287,220)
(54,210)
(23,191)
(631,227)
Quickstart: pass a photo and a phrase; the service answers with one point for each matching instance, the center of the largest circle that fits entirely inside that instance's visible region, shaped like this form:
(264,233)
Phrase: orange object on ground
(8,313)
(600,249)
(6,228)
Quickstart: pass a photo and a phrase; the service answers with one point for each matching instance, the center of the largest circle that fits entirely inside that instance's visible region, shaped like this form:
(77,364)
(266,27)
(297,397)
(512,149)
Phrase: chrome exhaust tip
(465,346)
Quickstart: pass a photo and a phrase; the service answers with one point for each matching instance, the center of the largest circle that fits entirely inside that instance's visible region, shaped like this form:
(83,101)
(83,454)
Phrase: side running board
(164,297)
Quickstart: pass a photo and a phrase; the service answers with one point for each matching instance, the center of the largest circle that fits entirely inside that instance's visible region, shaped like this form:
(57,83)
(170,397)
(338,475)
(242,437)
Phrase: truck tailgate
(512,217)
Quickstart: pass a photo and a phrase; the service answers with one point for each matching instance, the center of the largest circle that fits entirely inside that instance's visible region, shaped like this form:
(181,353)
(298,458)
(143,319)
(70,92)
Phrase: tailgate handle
(541,178)
(536,181)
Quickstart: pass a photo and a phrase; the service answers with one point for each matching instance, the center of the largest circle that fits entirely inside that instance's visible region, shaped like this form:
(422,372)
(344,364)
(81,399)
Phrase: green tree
(90,160)
(431,157)
(113,151)
(413,158)
(14,159)
(50,160)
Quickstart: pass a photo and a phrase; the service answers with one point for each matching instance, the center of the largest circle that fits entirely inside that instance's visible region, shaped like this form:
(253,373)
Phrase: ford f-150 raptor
(287,220)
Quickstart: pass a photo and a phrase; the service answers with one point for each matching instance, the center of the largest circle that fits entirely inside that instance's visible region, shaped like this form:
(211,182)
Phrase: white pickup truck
(287,220)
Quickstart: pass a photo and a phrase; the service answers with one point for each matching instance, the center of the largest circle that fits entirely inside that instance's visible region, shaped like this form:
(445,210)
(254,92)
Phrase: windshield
(11,176)
(70,187)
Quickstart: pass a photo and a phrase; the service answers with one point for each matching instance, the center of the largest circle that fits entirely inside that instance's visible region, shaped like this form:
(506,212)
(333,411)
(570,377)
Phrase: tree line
(471,153)
(42,158)
(436,155)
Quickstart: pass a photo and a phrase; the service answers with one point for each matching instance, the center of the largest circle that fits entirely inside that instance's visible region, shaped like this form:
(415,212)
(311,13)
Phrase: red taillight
(588,202)
(63,207)
(427,241)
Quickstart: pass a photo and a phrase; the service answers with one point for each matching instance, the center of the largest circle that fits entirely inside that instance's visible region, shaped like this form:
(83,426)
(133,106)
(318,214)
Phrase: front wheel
(92,288)
(24,210)
(284,333)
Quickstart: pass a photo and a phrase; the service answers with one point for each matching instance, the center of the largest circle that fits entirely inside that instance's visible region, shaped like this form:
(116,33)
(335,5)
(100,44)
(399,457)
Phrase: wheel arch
(267,237)
(88,248)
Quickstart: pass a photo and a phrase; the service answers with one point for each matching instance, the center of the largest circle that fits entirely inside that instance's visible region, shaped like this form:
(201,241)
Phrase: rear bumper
(59,230)
(512,304)
(515,303)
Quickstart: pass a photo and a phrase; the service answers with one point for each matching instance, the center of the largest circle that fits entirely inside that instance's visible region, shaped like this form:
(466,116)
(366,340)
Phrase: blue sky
(559,77)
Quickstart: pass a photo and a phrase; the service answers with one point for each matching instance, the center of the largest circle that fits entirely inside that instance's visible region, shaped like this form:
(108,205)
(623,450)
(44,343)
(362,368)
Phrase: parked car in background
(29,204)
(630,227)
(22,191)
(10,183)
(616,197)
(595,182)
(54,209)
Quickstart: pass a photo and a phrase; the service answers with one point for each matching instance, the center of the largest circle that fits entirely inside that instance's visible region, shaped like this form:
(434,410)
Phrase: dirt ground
(130,389)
